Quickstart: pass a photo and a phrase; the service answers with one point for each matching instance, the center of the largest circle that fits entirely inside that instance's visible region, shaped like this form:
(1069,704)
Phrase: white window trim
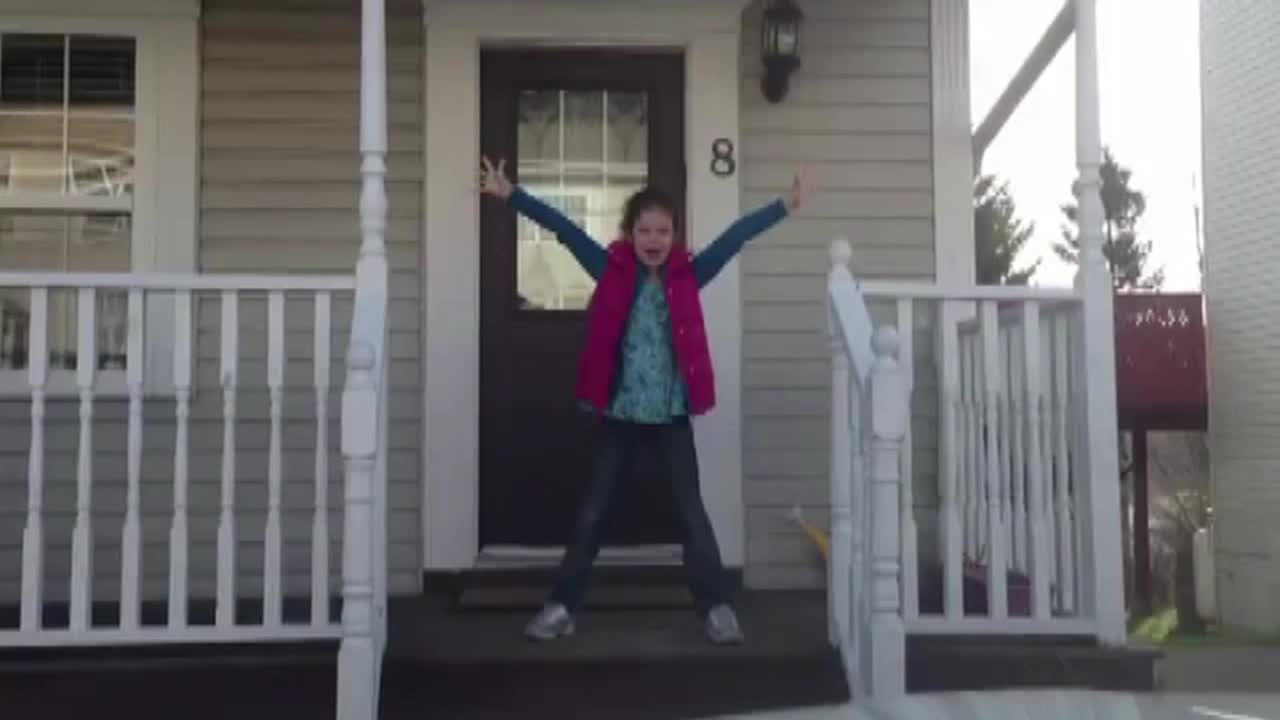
(166,155)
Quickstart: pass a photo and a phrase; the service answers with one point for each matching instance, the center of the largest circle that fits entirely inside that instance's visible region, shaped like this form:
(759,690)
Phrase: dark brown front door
(582,130)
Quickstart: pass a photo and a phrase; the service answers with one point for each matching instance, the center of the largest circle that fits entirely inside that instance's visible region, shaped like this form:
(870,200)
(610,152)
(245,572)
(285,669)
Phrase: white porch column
(1096,468)
(364,397)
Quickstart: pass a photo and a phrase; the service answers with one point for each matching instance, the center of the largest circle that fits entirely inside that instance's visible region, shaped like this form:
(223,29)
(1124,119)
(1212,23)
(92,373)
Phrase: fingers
(502,167)
(488,166)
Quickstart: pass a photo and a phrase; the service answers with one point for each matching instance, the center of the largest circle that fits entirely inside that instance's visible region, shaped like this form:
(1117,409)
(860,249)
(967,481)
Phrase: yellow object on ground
(815,533)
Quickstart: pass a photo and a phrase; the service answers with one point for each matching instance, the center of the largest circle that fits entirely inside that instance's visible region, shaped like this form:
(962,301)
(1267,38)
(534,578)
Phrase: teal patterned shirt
(650,389)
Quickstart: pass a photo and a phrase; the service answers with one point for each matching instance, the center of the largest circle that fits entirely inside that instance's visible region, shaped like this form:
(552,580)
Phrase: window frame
(164,203)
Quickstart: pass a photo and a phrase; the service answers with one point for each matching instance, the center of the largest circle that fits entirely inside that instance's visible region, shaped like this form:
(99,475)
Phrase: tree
(1122,207)
(998,234)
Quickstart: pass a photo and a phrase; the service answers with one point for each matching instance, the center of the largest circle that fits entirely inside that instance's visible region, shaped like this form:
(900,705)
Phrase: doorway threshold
(522,556)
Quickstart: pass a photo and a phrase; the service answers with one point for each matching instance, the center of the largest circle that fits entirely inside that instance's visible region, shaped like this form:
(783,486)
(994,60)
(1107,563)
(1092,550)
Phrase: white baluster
(179,533)
(82,533)
(1048,433)
(967,461)
(230,374)
(272,592)
(33,532)
(1018,360)
(886,660)
(997,573)
(131,534)
(951,453)
(977,458)
(1036,519)
(910,572)
(1006,444)
(320,522)
(1062,465)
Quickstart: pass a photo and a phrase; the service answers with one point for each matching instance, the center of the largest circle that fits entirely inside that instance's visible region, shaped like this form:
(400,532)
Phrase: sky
(1150,101)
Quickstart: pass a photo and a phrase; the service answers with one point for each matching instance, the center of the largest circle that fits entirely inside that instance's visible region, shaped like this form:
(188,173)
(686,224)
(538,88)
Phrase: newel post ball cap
(886,341)
(841,251)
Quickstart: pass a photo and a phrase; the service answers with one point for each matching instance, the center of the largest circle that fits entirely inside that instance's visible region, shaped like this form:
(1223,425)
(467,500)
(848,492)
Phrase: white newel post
(842,440)
(1097,473)
(360,655)
(886,660)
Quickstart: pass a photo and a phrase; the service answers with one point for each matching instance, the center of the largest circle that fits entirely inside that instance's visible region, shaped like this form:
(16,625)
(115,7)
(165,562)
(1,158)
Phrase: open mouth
(651,256)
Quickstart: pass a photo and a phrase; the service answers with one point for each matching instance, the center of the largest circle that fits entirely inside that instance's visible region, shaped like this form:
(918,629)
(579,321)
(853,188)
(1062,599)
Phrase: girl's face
(652,236)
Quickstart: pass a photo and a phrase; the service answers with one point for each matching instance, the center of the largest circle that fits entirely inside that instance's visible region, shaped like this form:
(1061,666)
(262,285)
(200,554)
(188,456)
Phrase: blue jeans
(618,448)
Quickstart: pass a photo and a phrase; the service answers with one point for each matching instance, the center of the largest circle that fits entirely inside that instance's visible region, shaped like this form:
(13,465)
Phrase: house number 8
(723,163)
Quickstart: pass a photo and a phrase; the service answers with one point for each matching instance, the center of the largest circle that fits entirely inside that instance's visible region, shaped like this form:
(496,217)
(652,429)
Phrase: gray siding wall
(280,193)
(859,112)
(279,190)
(1240,55)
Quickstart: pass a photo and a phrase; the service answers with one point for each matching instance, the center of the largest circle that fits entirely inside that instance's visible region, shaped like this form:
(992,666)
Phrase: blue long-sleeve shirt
(591,255)
(649,389)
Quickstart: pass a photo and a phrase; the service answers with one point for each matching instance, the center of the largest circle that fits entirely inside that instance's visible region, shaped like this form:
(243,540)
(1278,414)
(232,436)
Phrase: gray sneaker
(551,622)
(722,626)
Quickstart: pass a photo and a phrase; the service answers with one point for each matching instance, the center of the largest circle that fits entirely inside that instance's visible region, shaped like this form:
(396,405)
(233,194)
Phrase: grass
(1161,628)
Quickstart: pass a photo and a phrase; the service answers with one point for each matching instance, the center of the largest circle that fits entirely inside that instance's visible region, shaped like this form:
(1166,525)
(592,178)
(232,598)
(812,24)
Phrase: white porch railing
(1022,484)
(110,365)
(90,343)
(1006,504)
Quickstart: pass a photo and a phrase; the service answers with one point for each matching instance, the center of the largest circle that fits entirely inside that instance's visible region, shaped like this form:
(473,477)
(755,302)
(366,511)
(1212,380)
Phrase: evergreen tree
(1122,207)
(998,234)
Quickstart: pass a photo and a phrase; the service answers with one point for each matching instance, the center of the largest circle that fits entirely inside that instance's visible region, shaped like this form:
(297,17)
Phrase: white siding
(1241,101)
(858,112)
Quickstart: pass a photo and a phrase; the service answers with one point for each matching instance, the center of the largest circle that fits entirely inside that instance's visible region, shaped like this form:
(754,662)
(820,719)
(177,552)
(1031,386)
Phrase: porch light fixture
(780,47)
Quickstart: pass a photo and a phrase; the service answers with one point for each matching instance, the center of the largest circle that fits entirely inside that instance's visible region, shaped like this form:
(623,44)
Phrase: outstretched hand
(493,181)
(801,189)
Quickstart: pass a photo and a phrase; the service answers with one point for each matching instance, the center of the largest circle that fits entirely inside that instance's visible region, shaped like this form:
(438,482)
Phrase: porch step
(441,663)
(936,664)
(631,587)
(646,663)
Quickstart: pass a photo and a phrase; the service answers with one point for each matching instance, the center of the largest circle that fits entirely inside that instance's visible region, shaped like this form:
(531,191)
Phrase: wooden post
(1141,525)
(1097,473)
(360,654)
(886,651)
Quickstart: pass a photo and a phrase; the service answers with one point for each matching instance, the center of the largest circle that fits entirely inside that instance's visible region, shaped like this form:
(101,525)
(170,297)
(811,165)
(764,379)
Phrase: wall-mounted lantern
(780,47)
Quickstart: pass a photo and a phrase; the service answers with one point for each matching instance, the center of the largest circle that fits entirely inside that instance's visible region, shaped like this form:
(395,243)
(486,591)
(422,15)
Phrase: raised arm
(708,263)
(589,254)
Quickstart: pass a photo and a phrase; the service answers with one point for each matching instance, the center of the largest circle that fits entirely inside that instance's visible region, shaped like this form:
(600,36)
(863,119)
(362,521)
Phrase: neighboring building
(213,149)
(1239,48)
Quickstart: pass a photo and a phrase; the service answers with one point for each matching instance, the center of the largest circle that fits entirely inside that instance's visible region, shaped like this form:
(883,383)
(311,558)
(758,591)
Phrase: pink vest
(607,318)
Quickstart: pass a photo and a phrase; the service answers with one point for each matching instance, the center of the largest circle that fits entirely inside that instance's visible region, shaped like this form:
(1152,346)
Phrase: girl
(645,370)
